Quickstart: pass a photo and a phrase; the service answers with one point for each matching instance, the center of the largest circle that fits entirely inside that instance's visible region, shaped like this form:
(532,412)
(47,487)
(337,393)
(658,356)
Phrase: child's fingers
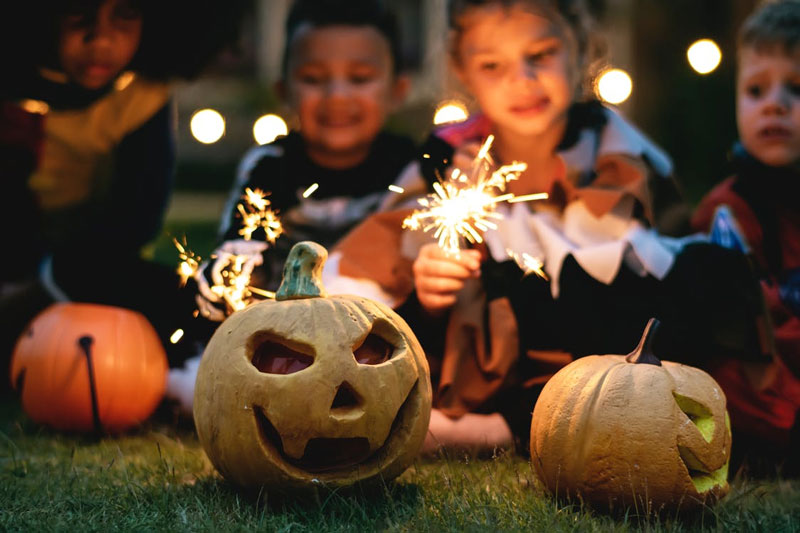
(436,302)
(432,260)
(435,268)
(438,285)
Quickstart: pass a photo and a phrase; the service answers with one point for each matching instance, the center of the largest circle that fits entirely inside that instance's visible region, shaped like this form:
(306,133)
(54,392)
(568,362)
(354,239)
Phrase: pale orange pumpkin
(312,389)
(84,367)
(620,431)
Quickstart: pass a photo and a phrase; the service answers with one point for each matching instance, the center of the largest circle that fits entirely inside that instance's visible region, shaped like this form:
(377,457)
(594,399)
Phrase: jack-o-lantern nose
(346,398)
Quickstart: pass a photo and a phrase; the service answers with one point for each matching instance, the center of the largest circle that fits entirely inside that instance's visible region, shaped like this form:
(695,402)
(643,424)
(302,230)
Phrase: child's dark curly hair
(179,37)
(319,13)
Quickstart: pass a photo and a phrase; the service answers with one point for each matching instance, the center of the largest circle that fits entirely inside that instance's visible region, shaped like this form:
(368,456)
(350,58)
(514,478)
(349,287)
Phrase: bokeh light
(268,128)
(614,86)
(450,111)
(704,56)
(207,126)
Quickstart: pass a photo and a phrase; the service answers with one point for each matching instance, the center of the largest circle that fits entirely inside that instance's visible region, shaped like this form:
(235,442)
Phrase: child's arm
(438,277)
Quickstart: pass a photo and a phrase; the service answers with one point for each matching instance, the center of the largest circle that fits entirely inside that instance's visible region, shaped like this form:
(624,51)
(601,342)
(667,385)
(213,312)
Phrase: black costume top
(344,196)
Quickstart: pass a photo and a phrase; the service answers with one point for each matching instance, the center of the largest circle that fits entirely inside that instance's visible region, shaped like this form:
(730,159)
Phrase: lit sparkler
(256,214)
(463,207)
(235,269)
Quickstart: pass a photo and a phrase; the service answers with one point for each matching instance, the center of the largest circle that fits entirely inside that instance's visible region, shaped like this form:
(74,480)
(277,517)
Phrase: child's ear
(400,89)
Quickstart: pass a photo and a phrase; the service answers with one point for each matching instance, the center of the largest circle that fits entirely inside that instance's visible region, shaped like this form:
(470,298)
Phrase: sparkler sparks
(231,271)
(189,261)
(256,214)
(528,264)
(464,206)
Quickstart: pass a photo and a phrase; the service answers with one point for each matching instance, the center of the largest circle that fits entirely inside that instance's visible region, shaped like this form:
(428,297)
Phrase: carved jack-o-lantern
(83,366)
(312,389)
(612,428)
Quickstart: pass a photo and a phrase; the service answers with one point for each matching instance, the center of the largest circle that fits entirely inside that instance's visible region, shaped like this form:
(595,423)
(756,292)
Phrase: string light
(207,126)
(449,112)
(704,56)
(268,128)
(614,86)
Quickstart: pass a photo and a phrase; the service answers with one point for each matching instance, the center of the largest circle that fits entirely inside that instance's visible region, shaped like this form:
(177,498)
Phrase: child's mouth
(774,134)
(531,108)
(97,70)
(338,122)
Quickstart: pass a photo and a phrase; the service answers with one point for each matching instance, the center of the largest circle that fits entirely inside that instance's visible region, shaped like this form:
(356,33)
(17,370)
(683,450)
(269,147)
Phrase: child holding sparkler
(764,195)
(342,77)
(86,150)
(606,270)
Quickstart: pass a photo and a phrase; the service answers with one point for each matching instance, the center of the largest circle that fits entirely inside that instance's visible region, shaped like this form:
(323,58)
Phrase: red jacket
(767,208)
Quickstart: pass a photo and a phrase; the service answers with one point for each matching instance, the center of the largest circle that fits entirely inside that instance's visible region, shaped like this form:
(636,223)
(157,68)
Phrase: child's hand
(223,256)
(438,277)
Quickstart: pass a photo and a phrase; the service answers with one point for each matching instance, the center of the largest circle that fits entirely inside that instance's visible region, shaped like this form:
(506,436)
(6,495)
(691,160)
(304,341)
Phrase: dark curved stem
(85,342)
(643,354)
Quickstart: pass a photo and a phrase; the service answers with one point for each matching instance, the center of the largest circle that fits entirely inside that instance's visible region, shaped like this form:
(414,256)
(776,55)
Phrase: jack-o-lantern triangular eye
(273,357)
(699,414)
(373,351)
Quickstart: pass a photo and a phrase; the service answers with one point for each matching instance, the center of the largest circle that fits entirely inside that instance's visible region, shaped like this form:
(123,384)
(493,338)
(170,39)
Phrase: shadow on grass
(363,507)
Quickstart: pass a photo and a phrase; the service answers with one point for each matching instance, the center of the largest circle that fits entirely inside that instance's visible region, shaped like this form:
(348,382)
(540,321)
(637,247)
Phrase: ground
(157,478)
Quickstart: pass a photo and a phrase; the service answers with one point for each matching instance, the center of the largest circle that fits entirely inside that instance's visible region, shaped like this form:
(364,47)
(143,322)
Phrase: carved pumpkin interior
(323,454)
(702,418)
(273,357)
(327,454)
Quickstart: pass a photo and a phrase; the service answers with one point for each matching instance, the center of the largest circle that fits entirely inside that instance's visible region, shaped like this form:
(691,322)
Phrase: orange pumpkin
(80,367)
(621,431)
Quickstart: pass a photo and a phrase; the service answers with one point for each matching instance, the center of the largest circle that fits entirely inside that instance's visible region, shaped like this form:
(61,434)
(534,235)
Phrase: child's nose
(338,88)
(101,33)
(525,72)
(778,101)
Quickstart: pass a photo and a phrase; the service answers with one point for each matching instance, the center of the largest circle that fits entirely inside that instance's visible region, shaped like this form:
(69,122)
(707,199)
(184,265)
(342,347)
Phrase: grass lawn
(158,478)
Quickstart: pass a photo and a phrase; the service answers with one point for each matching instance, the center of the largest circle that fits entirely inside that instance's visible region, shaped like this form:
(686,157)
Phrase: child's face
(340,82)
(768,106)
(518,66)
(94,50)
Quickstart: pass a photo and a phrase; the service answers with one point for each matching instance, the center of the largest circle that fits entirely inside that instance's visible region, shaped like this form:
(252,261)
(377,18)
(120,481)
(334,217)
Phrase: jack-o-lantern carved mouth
(702,478)
(324,454)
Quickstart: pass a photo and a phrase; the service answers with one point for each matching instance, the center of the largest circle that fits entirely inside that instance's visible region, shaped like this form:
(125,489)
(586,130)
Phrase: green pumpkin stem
(644,351)
(302,272)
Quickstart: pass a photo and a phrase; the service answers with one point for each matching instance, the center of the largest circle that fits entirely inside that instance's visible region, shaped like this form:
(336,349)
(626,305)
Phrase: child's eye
(538,57)
(794,89)
(77,21)
(754,91)
(310,78)
(361,77)
(489,66)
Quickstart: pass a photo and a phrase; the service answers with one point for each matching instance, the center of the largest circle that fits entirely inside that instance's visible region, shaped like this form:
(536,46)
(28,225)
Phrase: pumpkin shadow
(643,514)
(371,501)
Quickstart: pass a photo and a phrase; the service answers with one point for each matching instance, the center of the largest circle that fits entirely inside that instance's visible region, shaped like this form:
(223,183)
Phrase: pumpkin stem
(302,272)
(644,351)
